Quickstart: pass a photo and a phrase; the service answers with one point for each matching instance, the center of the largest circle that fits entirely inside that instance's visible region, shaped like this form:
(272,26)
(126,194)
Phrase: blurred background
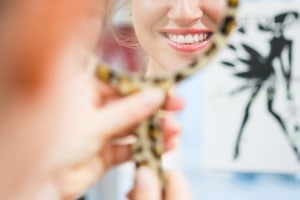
(205,184)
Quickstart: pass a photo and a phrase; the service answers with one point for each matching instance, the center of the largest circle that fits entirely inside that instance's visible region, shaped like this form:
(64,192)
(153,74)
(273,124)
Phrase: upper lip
(185,31)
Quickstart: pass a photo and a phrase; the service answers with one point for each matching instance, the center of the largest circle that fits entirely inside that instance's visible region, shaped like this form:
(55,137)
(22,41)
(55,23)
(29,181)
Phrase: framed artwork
(252,94)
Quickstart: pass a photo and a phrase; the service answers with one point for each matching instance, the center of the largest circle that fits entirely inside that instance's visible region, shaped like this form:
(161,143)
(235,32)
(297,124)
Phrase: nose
(184,12)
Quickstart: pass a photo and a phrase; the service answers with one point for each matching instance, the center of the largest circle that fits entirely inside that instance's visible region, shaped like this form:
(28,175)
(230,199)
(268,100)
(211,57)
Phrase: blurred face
(35,43)
(174,32)
(33,32)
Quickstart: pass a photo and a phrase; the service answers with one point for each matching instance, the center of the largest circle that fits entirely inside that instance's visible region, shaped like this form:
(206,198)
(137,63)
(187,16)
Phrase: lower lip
(189,47)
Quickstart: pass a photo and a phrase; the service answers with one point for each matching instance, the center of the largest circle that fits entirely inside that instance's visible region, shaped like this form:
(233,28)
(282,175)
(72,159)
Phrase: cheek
(33,128)
(35,31)
(146,14)
(32,133)
(91,27)
(215,10)
(146,27)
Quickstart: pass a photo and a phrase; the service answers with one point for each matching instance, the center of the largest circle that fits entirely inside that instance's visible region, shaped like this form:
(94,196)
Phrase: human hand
(59,138)
(66,131)
(91,146)
(146,186)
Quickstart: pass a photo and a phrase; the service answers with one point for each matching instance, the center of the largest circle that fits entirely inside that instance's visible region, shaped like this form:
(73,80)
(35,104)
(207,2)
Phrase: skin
(152,17)
(59,126)
(146,186)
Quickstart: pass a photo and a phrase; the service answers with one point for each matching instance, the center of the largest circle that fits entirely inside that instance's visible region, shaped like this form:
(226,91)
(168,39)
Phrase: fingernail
(144,177)
(154,96)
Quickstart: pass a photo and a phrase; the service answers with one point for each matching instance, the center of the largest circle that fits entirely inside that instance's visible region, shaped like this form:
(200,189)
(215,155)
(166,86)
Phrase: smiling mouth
(189,38)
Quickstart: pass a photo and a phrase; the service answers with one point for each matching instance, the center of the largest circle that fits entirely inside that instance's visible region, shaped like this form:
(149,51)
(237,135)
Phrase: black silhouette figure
(261,72)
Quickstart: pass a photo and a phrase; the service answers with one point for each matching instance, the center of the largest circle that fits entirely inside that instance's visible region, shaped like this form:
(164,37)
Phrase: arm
(287,72)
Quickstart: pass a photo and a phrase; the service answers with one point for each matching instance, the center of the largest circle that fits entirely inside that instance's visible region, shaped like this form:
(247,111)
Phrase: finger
(170,127)
(171,130)
(105,92)
(120,150)
(177,187)
(120,147)
(124,134)
(173,103)
(171,144)
(127,112)
(116,155)
(146,185)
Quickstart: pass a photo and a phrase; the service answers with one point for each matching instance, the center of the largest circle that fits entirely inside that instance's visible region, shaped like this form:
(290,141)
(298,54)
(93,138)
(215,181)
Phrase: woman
(59,126)
(174,32)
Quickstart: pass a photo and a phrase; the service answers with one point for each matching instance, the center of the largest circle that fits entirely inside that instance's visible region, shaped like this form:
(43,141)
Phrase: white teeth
(201,37)
(196,38)
(188,39)
(180,39)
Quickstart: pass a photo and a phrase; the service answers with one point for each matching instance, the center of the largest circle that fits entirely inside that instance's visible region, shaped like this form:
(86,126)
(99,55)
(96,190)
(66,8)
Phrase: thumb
(127,112)
(146,185)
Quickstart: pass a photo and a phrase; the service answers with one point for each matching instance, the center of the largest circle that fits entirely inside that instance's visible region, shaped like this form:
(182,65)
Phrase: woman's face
(174,32)
(30,121)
